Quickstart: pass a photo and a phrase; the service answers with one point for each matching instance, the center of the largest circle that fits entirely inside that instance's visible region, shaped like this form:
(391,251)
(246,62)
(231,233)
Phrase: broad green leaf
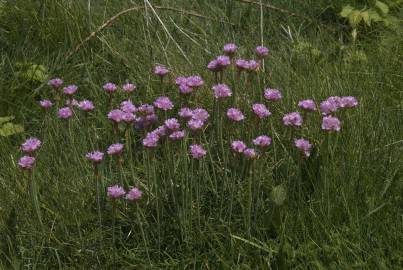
(366,18)
(382,7)
(32,72)
(355,18)
(9,129)
(6,119)
(278,195)
(345,12)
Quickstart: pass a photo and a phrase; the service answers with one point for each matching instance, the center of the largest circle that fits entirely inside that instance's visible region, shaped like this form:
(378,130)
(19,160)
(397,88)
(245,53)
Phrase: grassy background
(352,220)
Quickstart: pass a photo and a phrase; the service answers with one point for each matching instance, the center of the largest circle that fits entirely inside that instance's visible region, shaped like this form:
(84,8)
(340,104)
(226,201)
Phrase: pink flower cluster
(188,84)
(29,148)
(116,192)
(261,142)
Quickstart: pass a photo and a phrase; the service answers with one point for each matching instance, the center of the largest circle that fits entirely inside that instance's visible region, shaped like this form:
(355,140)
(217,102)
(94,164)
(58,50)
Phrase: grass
(200,214)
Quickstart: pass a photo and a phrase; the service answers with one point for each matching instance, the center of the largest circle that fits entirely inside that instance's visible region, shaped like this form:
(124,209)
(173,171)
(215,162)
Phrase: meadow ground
(341,208)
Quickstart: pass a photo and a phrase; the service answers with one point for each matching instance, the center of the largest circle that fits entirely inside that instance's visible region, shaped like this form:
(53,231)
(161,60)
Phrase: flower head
(31,145)
(71,102)
(110,87)
(46,103)
(160,70)
(261,110)
(262,141)
(95,156)
(272,94)
(219,63)
(134,194)
(331,123)
(230,49)
(116,115)
(241,64)
(328,107)
(70,90)
(163,103)
(348,102)
(146,108)
(65,113)
(151,140)
(55,83)
(115,192)
(129,87)
(293,119)
(128,117)
(200,114)
(115,149)
(194,81)
(250,153)
(252,65)
(221,91)
(195,124)
(86,105)
(172,124)
(197,151)
(185,89)
(235,115)
(128,107)
(177,135)
(185,113)
(304,146)
(308,105)
(26,162)
(238,146)
(261,51)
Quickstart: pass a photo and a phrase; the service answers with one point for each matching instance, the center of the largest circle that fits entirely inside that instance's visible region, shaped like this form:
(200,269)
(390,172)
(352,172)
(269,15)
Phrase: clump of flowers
(197,151)
(31,145)
(235,115)
(163,103)
(46,104)
(65,113)
(134,194)
(95,157)
(115,192)
(307,105)
(293,119)
(160,70)
(304,146)
(272,94)
(261,110)
(222,91)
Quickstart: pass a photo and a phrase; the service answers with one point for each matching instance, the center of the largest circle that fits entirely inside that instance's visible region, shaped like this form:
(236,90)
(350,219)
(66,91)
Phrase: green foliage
(31,72)
(368,16)
(7,128)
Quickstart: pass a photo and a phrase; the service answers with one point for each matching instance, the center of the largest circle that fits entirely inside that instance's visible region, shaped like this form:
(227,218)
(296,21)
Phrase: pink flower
(195,124)
(194,81)
(65,113)
(151,140)
(128,107)
(177,135)
(185,89)
(262,141)
(86,105)
(160,70)
(261,51)
(146,108)
(221,91)
(46,104)
(129,87)
(250,153)
(134,194)
(31,145)
(304,146)
(308,105)
(272,94)
(160,131)
(219,63)
(230,49)
(181,80)
(242,64)
(55,83)
(128,117)
(95,157)
(197,151)
(252,65)
(172,124)
(235,115)
(238,146)
(26,162)
(200,114)
(110,87)
(348,102)
(163,103)
(331,123)
(70,90)
(71,102)
(261,110)
(115,149)
(115,192)
(328,107)
(116,115)
(185,113)
(293,119)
